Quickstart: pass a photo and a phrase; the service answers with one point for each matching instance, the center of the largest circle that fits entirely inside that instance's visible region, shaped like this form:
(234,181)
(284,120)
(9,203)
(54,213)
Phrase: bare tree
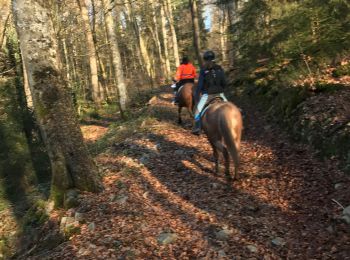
(169,13)
(165,39)
(116,59)
(97,94)
(5,12)
(196,29)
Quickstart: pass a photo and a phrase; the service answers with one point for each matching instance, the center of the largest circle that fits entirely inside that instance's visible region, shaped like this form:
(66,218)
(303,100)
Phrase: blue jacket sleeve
(200,83)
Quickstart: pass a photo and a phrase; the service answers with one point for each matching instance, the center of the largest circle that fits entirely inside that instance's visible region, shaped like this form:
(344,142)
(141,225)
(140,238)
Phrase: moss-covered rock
(35,216)
(72,230)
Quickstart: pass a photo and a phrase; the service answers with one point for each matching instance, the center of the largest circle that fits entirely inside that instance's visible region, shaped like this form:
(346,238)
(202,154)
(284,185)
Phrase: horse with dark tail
(222,123)
(185,99)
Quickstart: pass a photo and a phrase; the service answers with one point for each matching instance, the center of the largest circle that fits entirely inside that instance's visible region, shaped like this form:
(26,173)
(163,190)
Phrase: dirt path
(160,187)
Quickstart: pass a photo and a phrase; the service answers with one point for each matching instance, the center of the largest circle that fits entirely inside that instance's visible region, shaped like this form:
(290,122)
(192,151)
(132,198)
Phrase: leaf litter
(280,208)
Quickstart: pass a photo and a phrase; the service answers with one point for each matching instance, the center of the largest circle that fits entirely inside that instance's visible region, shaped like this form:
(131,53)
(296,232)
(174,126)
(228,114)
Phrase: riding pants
(202,102)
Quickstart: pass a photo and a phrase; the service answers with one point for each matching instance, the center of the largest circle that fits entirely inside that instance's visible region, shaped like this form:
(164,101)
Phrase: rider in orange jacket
(186,73)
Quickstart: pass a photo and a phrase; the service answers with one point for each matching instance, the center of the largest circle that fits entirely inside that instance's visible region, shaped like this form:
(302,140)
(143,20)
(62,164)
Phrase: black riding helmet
(185,60)
(209,56)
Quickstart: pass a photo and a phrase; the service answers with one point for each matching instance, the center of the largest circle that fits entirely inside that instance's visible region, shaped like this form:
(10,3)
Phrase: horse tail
(231,137)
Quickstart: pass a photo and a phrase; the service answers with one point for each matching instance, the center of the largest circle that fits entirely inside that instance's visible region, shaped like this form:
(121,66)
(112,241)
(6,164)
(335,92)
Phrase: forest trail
(162,200)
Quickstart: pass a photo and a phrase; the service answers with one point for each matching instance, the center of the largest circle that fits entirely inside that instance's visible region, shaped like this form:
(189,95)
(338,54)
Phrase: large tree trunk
(169,12)
(97,95)
(72,167)
(196,30)
(116,59)
(165,40)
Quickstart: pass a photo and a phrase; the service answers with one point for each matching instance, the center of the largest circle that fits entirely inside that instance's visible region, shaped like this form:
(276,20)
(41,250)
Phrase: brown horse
(185,98)
(222,123)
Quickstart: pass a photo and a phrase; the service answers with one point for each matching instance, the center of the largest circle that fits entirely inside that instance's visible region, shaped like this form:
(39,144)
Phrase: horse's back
(224,109)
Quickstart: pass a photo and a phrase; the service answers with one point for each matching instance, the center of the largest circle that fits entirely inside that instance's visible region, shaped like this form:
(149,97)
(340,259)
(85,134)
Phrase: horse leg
(224,151)
(227,164)
(215,154)
(190,113)
(190,108)
(179,112)
(216,158)
(236,173)
(236,162)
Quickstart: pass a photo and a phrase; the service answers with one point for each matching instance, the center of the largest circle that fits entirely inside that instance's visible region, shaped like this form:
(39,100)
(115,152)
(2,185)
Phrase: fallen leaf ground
(159,179)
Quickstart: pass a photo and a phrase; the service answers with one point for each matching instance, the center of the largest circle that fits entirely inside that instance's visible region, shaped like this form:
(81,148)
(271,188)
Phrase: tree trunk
(116,59)
(169,12)
(196,30)
(97,95)
(28,95)
(155,34)
(72,167)
(5,12)
(141,53)
(74,65)
(165,40)
(223,36)
(147,59)
(66,59)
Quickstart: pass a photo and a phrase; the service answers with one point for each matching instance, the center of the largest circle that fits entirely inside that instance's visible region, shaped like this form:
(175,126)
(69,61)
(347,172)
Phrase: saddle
(180,88)
(211,101)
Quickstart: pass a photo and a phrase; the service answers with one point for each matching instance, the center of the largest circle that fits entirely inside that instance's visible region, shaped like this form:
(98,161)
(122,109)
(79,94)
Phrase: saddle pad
(180,88)
(209,103)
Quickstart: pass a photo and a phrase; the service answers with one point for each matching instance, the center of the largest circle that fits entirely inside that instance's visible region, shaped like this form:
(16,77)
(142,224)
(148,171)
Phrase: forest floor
(162,200)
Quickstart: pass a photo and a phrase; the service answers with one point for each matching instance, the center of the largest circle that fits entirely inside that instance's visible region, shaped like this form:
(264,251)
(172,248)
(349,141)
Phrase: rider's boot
(197,127)
(174,101)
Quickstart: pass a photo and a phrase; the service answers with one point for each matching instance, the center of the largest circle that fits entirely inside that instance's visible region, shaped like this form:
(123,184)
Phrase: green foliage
(35,216)
(327,87)
(71,230)
(15,163)
(289,34)
(120,131)
(5,246)
(342,70)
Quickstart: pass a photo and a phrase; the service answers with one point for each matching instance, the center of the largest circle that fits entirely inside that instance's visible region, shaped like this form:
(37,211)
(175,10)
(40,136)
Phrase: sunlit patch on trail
(92,133)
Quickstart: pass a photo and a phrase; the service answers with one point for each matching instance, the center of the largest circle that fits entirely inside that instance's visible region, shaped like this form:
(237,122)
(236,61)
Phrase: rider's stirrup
(197,129)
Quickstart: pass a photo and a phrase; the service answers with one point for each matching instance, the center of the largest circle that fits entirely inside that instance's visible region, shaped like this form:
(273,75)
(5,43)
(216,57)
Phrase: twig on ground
(336,202)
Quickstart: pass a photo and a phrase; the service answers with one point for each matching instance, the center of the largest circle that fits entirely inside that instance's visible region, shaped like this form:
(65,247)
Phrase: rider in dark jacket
(211,82)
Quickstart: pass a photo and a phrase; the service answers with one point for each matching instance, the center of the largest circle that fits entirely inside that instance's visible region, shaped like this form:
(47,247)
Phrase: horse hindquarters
(230,127)
(185,100)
